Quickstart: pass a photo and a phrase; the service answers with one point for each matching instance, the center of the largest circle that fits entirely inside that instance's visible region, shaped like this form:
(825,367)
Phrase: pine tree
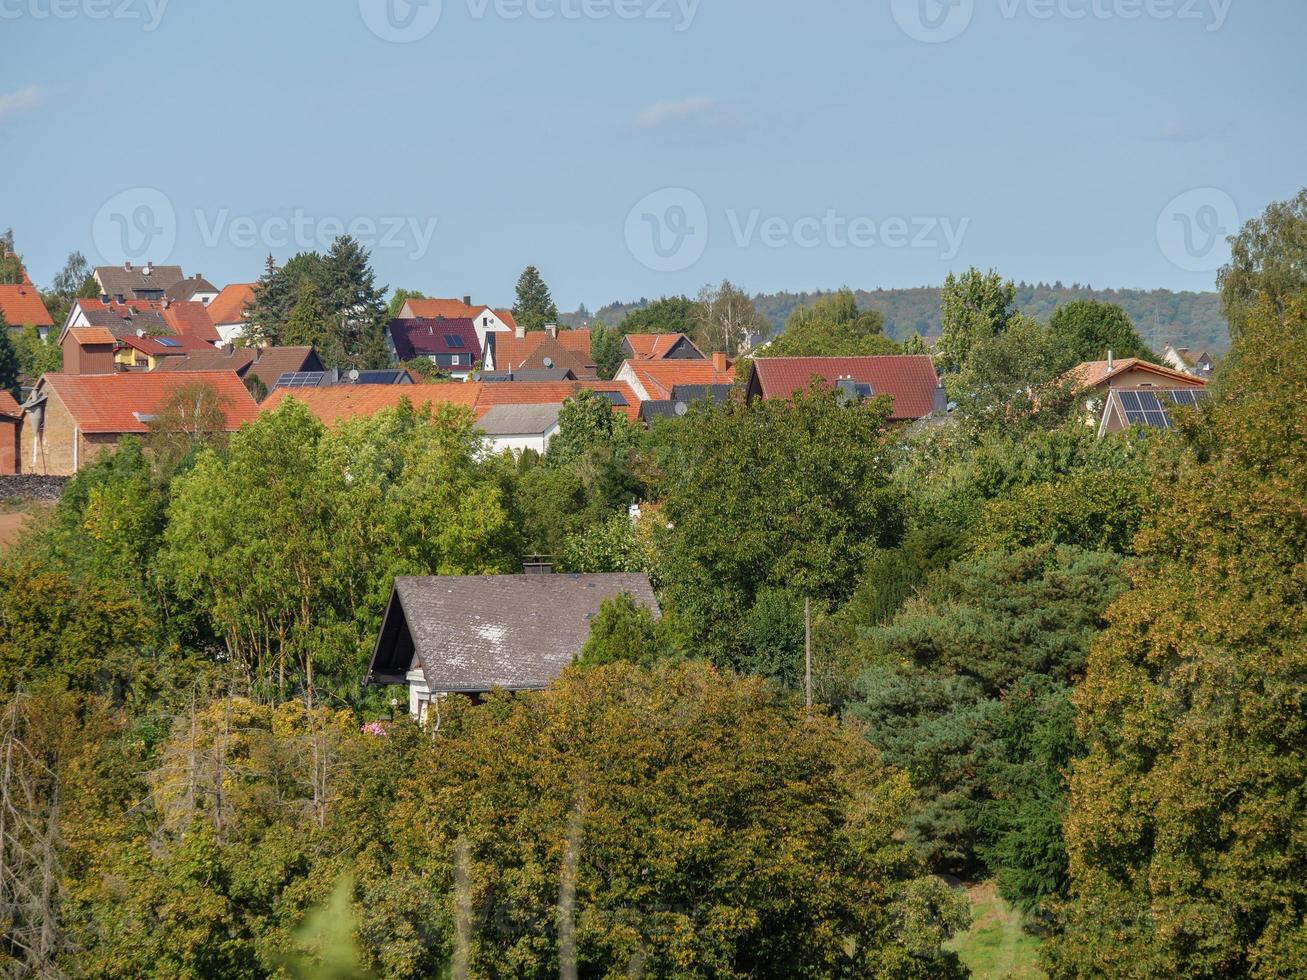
(355,303)
(534,309)
(307,326)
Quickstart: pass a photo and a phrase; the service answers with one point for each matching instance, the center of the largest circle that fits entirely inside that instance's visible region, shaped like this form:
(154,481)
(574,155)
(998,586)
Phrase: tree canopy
(534,308)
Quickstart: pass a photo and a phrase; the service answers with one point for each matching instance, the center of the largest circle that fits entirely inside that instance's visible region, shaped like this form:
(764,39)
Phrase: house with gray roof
(475,634)
(127,282)
(515,428)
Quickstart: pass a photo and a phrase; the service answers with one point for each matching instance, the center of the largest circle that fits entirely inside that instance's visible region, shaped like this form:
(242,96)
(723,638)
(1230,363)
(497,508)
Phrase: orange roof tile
(552,393)
(112,403)
(654,346)
(229,306)
(22,306)
(512,351)
(450,309)
(9,407)
(1094,374)
(343,402)
(659,377)
(93,335)
(507,317)
(190,319)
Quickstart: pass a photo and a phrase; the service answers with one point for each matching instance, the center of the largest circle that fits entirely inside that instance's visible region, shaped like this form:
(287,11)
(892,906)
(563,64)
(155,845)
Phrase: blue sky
(643,147)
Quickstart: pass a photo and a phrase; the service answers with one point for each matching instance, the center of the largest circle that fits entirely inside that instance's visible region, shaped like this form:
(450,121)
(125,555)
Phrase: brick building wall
(10,446)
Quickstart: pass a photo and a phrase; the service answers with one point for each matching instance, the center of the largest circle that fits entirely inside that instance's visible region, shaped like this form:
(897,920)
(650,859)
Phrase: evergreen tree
(606,350)
(306,325)
(534,309)
(355,303)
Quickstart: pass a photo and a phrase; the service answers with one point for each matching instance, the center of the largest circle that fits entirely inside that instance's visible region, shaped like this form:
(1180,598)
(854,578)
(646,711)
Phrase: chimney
(127,267)
(520,333)
(552,330)
(467,300)
(719,362)
(149,268)
(1111,361)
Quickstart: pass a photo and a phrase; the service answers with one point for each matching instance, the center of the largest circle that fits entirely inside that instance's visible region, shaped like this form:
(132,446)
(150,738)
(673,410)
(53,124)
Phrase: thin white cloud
(13,104)
(1177,131)
(669,112)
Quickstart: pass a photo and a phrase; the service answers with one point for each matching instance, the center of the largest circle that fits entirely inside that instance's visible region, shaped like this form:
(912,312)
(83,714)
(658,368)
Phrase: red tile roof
(112,403)
(658,378)
(507,317)
(1095,374)
(190,319)
(512,351)
(909,378)
(450,309)
(22,306)
(655,346)
(229,306)
(9,407)
(86,336)
(337,404)
(552,393)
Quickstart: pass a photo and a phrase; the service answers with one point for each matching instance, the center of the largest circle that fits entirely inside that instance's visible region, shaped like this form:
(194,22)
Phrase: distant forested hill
(1186,319)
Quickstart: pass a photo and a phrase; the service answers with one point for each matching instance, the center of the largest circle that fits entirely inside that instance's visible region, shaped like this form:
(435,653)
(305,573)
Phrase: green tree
(623,632)
(192,417)
(307,325)
(670,314)
(1086,330)
(974,306)
(399,297)
(275,294)
(1012,382)
(833,327)
(76,280)
(1269,257)
(10,369)
(355,302)
(290,541)
(629,819)
(778,494)
(610,546)
(606,350)
(36,357)
(11,263)
(534,309)
(946,698)
(1185,829)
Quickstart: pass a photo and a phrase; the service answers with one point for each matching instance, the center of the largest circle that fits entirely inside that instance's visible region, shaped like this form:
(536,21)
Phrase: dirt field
(11,521)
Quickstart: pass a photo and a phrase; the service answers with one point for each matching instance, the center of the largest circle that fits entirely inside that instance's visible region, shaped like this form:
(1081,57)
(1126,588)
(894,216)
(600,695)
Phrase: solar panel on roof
(299,379)
(167,342)
(454,342)
(614,397)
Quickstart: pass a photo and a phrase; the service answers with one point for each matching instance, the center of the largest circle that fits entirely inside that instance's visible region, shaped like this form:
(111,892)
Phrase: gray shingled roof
(477,633)
(519,420)
(118,281)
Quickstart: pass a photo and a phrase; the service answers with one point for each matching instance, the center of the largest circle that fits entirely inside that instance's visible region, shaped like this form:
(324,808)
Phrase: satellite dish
(681,409)
(354,374)
(549,363)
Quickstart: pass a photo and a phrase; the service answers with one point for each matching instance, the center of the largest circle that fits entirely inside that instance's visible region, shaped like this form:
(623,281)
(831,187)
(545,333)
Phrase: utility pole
(807,653)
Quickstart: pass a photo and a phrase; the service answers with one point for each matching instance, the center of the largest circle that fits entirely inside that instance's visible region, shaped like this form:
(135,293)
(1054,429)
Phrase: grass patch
(996,947)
